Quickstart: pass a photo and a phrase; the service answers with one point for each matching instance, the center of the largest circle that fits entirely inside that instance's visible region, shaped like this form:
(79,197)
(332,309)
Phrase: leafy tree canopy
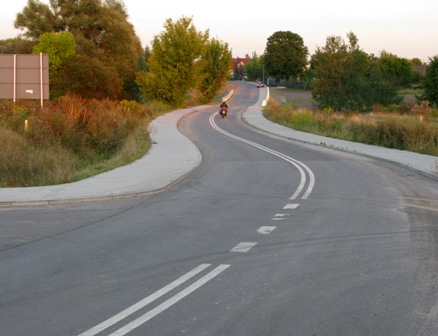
(349,79)
(87,77)
(100,29)
(399,70)
(36,19)
(431,82)
(59,47)
(285,55)
(175,63)
(416,61)
(217,59)
(16,45)
(255,69)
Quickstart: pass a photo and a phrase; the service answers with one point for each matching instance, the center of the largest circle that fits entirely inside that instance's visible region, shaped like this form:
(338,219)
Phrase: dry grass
(70,139)
(416,130)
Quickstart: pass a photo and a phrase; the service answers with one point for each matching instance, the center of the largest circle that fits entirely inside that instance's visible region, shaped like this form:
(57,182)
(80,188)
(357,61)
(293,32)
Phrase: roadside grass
(135,146)
(73,138)
(415,129)
(22,163)
(70,139)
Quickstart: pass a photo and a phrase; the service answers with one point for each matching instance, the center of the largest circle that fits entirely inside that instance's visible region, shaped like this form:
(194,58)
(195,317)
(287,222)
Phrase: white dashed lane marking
(266,229)
(243,247)
(291,206)
(279,217)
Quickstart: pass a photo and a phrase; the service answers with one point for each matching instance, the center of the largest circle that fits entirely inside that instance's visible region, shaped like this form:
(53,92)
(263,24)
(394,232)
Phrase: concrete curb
(426,164)
(171,158)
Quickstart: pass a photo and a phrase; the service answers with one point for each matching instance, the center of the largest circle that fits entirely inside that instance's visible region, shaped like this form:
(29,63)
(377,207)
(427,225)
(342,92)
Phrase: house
(237,62)
(238,67)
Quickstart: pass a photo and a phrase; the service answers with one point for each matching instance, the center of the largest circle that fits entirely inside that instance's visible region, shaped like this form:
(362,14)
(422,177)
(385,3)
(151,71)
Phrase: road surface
(266,237)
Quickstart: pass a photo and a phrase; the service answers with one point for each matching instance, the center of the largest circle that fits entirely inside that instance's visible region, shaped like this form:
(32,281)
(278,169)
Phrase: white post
(41,80)
(15,77)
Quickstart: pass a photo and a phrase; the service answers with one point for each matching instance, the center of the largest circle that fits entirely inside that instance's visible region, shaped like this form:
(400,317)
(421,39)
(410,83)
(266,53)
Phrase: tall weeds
(415,131)
(70,138)
(23,163)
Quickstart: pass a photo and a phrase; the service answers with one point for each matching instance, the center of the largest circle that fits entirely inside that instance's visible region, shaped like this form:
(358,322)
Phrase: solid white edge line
(170,302)
(137,306)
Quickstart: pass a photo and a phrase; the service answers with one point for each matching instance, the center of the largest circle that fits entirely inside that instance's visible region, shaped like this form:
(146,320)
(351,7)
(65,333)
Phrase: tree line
(94,52)
(340,75)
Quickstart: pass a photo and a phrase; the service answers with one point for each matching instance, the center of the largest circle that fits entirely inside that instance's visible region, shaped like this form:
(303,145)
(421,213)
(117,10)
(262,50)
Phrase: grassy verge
(70,139)
(415,130)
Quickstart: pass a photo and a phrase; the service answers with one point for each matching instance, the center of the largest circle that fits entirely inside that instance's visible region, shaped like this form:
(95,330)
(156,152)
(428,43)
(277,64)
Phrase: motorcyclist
(223,109)
(224,104)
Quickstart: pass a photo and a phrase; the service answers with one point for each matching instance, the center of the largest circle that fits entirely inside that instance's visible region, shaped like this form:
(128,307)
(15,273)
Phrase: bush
(431,82)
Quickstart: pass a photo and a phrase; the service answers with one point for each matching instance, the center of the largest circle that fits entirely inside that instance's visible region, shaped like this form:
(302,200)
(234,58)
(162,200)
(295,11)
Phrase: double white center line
(300,166)
(151,298)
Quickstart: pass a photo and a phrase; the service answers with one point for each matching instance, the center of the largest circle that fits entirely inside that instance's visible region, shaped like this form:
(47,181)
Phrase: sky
(407,29)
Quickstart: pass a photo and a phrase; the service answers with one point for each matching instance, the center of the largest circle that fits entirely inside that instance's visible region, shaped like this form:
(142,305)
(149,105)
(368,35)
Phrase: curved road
(266,237)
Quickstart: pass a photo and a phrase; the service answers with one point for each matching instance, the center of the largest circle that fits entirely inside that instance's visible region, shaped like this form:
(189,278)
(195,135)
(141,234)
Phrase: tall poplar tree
(175,63)
(217,59)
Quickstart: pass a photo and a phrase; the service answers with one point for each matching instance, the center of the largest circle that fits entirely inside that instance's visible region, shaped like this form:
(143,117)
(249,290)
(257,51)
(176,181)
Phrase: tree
(347,78)
(100,29)
(217,58)
(16,45)
(59,46)
(416,61)
(87,77)
(36,19)
(431,81)
(285,55)
(144,59)
(175,63)
(255,68)
(395,69)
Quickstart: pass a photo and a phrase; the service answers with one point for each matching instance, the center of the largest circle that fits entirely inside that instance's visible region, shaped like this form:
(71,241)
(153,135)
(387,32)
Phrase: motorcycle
(223,112)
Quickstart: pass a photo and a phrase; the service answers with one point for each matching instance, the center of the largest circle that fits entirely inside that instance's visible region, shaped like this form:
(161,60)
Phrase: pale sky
(404,28)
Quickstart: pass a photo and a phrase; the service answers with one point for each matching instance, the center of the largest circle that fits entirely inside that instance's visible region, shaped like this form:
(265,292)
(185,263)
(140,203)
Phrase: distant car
(260,84)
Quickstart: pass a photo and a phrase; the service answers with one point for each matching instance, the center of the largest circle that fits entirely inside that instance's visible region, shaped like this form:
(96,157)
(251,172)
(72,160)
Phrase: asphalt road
(266,237)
